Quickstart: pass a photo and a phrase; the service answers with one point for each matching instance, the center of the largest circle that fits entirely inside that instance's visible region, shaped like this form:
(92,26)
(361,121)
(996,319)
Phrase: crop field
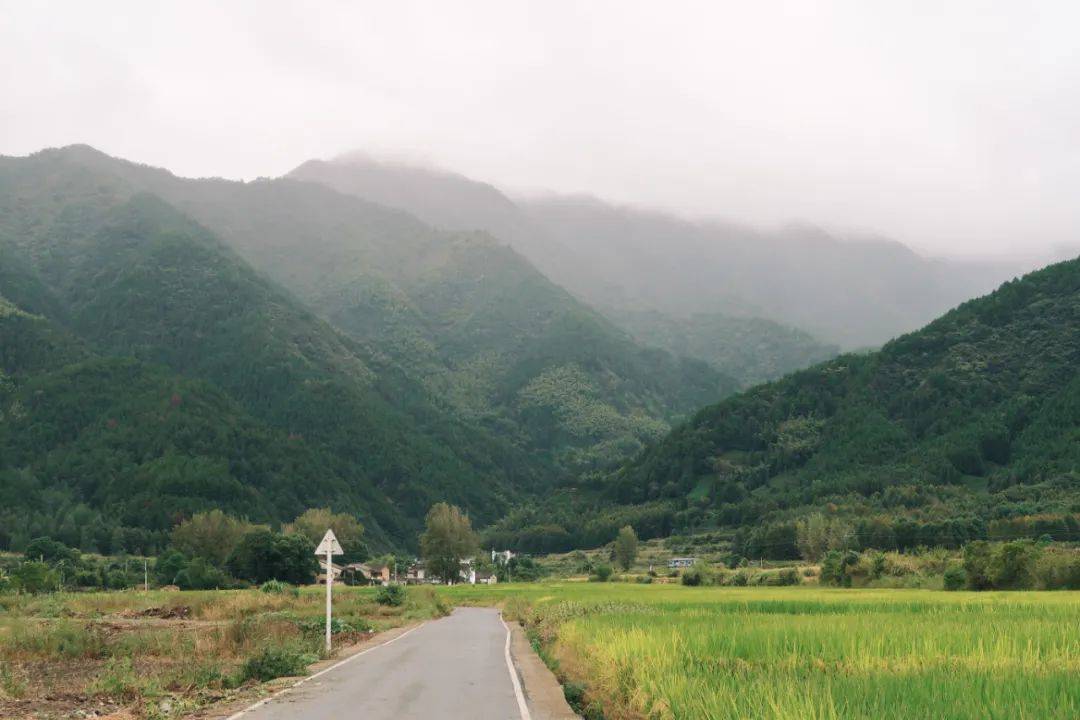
(168,654)
(666,651)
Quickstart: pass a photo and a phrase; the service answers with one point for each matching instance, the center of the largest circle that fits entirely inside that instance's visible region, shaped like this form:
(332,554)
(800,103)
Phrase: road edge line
(523,707)
(335,666)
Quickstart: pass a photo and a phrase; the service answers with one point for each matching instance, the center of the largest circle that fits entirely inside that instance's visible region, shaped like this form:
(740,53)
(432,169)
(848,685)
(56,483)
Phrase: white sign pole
(331,547)
(329,599)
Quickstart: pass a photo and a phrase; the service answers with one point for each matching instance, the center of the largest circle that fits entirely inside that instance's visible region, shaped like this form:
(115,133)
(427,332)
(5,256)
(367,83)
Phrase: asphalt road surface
(448,669)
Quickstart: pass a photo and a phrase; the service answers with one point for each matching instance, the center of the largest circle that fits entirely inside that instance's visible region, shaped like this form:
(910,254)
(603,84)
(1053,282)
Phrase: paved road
(449,669)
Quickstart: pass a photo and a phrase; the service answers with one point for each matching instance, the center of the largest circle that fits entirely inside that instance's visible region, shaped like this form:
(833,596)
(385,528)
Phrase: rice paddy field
(667,651)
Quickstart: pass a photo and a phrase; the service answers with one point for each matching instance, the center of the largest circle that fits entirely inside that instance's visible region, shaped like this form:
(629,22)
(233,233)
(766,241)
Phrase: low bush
(392,595)
(274,663)
(278,587)
(601,573)
(955,578)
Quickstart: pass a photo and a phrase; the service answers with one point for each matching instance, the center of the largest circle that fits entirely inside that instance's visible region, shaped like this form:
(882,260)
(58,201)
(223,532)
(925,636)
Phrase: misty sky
(955,130)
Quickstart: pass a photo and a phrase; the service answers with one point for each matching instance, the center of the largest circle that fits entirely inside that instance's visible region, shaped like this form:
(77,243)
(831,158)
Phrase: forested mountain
(130,277)
(967,428)
(855,292)
(456,371)
(751,349)
(733,345)
(465,315)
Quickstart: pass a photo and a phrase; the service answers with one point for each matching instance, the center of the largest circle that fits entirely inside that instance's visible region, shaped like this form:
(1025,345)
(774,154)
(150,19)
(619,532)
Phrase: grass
(663,651)
(164,654)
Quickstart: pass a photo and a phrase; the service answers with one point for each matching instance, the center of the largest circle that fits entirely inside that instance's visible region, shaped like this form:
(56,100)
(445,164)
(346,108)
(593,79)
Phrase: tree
(211,535)
(50,551)
(200,575)
(448,539)
(816,535)
(168,566)
(626,543)
(34,577)
(263,555)
(314,522)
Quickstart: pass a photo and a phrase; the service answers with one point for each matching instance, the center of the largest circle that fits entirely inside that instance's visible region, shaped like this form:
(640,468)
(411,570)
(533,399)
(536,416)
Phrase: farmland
(623,650)
(665,651)
(164,654)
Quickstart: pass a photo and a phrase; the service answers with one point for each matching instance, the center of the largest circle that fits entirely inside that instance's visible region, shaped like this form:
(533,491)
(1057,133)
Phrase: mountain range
(378,338)
(411,364)
(851,291)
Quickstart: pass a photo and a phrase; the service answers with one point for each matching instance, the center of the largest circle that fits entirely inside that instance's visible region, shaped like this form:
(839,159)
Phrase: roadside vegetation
(162,654)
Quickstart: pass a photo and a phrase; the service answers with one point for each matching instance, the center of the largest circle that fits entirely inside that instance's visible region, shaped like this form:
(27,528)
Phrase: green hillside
(137,279)
(750,349)
(965,429)
(465,317)
(746,348)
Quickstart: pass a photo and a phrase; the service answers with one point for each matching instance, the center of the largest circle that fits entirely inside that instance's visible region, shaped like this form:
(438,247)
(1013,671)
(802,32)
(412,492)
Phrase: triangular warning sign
(329,544)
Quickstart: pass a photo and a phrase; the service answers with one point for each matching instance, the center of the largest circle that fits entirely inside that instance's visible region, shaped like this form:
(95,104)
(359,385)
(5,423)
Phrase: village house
(414,574)
(367,573)
(336,569)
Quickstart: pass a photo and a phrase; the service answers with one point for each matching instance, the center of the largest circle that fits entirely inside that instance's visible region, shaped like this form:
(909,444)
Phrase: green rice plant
(671,652)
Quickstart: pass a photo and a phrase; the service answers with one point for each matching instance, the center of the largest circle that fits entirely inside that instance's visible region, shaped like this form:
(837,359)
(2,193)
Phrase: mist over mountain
(851,291)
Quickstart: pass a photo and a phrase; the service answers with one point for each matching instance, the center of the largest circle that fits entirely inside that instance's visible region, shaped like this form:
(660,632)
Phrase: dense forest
(966,429)
(464,316)
(351,355)
(148,372)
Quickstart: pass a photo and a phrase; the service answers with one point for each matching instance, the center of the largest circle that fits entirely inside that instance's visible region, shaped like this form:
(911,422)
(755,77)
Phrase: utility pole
(145,576)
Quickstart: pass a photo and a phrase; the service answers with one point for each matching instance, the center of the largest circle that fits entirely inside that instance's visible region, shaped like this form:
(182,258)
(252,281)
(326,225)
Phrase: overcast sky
(955,130)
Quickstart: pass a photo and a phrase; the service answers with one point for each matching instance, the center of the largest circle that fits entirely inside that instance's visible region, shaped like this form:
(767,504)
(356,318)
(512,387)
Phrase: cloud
(951,127)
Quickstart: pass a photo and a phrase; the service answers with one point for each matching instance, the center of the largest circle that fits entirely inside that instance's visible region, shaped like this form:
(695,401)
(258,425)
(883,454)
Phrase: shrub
(200,575)
(739,579)
(277,587)
(168,566)
(787,576)
(34,577)
(955,578)
(274,663)
(393,595)
(1056,570)
(836,567)
(601,573)
(698,575)
(1001,566)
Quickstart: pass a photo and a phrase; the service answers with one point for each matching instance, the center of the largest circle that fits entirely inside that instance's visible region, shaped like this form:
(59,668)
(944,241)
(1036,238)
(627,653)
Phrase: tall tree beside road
(447,540)
(314,522)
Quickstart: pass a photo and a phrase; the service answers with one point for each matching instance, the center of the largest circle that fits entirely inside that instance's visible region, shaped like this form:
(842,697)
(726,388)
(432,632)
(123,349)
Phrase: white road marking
(335,666)
(522,707)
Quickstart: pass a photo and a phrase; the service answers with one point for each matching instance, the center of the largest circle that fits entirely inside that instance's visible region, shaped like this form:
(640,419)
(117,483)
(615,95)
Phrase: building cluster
(376,573)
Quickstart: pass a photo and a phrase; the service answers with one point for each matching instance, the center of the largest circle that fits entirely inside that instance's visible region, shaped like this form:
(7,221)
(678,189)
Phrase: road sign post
(329,547)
